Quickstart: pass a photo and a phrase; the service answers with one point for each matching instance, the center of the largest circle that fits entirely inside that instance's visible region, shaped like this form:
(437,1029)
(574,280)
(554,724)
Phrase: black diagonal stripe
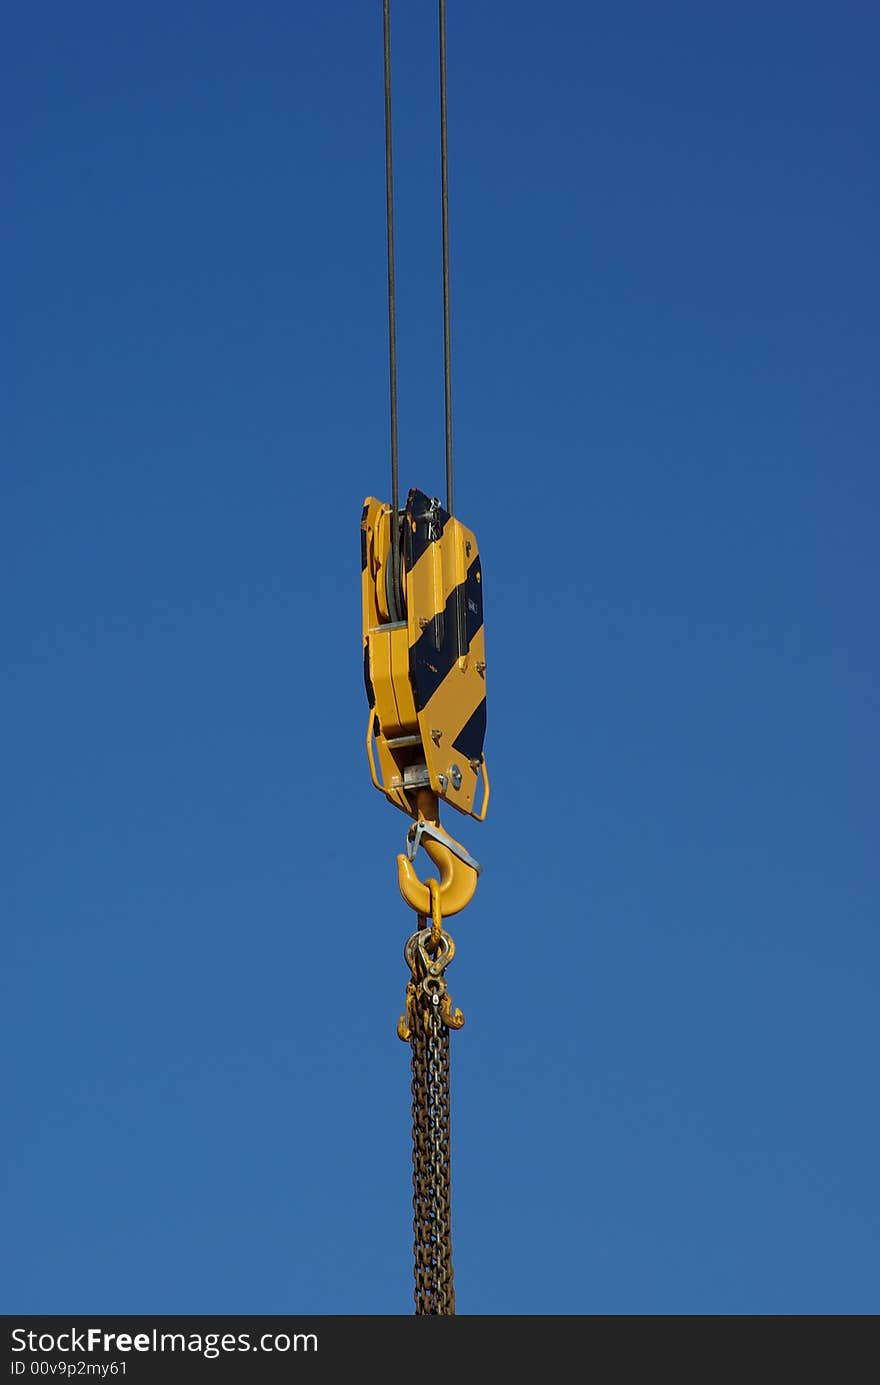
(368,682)
(425,521)
(469,741)
(363,538)
(446,637)
(473,596)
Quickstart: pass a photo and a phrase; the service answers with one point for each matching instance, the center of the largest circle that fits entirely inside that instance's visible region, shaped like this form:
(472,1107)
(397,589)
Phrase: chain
(432,1206)
(425,1026)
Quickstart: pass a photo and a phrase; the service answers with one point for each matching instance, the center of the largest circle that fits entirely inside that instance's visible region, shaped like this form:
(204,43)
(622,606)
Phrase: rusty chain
(425,1026)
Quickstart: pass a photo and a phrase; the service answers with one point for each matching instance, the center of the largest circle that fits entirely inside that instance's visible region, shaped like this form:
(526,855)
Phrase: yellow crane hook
(458,869)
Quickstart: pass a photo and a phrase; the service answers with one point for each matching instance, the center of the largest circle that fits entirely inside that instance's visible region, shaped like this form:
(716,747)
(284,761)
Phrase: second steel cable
(392,324)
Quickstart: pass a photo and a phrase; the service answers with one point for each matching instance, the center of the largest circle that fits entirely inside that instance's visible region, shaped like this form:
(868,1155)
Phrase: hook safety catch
(427,829)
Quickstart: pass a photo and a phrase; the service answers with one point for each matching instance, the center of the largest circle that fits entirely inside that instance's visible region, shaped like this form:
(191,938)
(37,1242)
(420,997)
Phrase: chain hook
(427,959)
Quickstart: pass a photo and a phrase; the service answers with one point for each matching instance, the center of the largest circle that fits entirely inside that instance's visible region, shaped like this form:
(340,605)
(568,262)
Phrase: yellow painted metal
(457,883)
(386,662)
(437,576)
(458,879)
(425,673)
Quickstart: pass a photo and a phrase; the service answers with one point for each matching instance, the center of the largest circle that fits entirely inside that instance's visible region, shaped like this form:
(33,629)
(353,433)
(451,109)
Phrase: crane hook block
(424,656)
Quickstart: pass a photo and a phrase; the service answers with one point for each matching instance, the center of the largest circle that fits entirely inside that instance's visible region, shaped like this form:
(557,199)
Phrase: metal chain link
(432,1203)
(429,1017)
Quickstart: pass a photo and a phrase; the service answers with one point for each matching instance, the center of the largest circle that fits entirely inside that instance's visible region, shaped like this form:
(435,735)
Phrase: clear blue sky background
(665,305)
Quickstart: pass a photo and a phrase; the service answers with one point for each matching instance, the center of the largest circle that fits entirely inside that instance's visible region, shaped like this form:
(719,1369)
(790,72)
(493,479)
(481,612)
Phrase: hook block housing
(424,655)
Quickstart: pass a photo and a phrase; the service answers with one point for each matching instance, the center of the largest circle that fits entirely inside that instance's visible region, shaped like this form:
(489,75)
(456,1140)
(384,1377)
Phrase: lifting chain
(425,1026)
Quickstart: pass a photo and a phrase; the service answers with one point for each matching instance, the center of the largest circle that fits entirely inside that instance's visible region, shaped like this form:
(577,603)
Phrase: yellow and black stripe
(443,582)
(425,676)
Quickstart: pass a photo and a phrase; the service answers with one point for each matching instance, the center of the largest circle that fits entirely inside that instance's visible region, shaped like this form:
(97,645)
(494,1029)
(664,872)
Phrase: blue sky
(665,299)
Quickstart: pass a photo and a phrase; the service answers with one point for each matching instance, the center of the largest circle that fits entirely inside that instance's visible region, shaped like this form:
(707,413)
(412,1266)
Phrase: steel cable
(444,197)
(392,316)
